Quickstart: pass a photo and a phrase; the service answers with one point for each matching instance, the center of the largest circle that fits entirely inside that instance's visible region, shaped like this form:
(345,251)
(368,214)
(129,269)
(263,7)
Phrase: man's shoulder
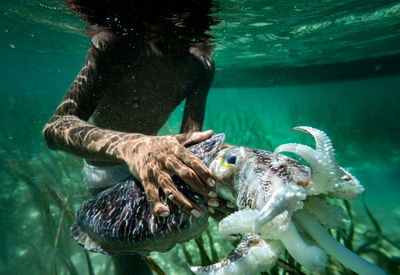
(104,40)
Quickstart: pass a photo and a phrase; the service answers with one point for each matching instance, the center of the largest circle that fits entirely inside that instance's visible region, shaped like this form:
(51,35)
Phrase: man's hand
(154,159)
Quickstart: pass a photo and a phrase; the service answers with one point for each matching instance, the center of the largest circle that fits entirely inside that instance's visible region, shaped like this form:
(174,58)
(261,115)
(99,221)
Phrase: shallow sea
(333,65)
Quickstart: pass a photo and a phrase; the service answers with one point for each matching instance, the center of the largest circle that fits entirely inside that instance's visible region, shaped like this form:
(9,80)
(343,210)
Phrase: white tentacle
(348,258)
(310,256)
(252,256)
(325,171)
(238,222)
(305,152)
(322,142)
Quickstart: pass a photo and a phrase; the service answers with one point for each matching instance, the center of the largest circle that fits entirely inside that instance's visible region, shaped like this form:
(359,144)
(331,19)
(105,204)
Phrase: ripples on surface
(251,34)
(302,33)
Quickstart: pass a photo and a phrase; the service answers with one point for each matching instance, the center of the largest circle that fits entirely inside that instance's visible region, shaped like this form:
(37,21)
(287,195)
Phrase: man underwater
(144,59)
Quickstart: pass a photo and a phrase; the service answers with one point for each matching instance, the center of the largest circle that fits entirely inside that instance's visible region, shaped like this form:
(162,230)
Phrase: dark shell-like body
(119,220)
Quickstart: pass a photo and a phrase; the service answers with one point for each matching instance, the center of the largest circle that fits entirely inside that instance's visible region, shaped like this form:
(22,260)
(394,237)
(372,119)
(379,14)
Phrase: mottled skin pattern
(260,162)
(248,182)
(126,89)
(119,220)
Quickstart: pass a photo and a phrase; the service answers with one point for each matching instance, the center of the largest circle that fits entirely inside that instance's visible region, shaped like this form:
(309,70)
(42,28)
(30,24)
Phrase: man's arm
(195,104)
(67,129)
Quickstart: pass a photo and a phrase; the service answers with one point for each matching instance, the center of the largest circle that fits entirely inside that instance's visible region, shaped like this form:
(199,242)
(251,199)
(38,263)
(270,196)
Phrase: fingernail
(164,214)
(211,210)
(161,210)
(196,213)
(230,205)
(170,197)
(211,182)
(213,203)
(212,194)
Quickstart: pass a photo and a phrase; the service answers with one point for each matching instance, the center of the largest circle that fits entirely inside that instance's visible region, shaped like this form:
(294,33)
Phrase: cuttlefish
(281,205)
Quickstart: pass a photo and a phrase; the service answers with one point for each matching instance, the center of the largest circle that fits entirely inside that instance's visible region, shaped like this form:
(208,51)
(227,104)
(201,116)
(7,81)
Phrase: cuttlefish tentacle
(268,213)
(239,222)
(251,256)
(348,258)
(324,168)
(322,142)
(309,256)
(277,212)
(349,188)
(327,177)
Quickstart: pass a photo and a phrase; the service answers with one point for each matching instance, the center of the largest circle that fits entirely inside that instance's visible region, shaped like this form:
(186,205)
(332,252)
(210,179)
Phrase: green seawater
(333,65)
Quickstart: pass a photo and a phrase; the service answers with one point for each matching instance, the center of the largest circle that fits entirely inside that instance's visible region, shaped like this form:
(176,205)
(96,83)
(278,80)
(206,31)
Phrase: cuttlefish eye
(227,162)
(231,159)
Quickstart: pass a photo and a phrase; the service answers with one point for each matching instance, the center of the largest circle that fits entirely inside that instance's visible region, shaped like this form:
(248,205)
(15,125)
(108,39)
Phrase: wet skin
(124,93)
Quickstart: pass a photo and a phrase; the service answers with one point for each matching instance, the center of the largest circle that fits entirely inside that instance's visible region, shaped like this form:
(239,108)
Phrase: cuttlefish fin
(251,256)
(84,239)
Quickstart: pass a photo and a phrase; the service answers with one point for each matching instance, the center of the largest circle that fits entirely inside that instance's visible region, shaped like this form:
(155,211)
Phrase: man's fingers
(198,166)
(176,167)
(173,194)
(193,137)
(153,197)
